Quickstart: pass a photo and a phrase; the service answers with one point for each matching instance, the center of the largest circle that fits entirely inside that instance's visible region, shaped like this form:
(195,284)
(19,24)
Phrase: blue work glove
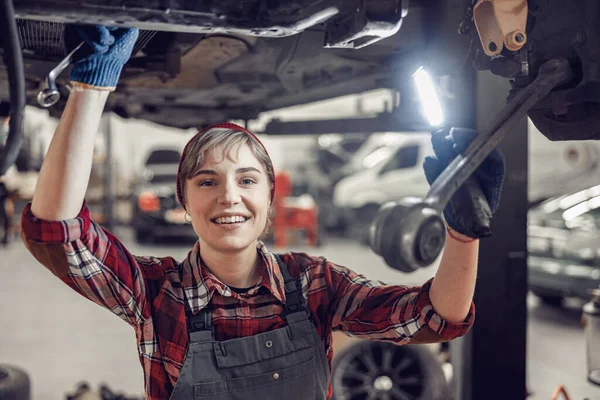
(447,144)
(103,55)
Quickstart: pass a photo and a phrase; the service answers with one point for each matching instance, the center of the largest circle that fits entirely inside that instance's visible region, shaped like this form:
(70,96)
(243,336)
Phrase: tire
(382,370)
(14,383)
(550,300)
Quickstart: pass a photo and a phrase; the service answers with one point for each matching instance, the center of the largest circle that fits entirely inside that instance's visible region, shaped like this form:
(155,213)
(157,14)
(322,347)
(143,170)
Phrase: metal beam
(406,121)
(109,176)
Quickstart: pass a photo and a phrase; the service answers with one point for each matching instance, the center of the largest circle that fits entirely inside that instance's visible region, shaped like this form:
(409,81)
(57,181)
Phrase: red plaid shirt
(147,293)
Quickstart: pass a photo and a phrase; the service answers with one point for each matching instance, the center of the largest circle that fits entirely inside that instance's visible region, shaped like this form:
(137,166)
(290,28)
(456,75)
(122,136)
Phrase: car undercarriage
(203,62)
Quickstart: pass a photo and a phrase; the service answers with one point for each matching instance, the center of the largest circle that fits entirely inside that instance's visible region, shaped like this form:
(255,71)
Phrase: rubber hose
(13,58)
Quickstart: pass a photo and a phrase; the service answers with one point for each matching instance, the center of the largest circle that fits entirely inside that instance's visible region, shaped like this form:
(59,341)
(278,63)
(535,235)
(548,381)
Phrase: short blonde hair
(226,138)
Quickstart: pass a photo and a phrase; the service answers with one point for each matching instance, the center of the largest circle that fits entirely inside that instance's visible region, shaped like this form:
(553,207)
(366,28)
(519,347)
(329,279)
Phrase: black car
(156,210)
(564,246)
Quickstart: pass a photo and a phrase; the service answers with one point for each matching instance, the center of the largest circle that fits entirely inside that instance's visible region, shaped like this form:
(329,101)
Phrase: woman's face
(228,199)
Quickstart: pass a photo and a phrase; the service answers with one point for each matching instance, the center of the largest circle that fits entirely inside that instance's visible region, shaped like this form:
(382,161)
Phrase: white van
(390,167)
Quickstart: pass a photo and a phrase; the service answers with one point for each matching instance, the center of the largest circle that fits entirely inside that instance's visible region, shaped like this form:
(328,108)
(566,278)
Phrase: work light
(432,109)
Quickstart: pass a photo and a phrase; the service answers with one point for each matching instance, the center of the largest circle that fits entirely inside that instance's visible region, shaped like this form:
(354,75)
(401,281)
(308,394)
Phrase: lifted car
(200,62)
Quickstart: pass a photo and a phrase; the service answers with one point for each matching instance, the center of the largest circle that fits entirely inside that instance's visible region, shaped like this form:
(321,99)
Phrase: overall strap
(295,307)
(199,326)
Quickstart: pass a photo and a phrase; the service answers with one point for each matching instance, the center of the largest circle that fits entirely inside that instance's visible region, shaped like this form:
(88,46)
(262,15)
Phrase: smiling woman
(232,320)
(225,183)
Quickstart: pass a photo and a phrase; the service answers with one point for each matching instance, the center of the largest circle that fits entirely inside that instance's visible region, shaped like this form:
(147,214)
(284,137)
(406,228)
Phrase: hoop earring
(186,218)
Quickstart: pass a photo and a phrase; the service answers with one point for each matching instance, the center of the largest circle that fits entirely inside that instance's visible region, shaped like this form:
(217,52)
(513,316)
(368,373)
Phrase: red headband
(225,125)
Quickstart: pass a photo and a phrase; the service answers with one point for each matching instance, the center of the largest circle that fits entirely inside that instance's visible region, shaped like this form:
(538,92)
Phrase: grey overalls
(287,363)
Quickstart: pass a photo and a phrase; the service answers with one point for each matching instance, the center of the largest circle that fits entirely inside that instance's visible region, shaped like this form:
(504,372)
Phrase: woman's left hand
(465,213)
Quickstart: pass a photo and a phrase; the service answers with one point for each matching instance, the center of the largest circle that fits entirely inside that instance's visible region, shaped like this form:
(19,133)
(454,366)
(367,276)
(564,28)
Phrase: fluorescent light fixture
(428,95)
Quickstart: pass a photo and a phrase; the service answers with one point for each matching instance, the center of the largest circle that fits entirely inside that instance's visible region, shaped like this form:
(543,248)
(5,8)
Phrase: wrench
(50,96)
(550,75)
(410,234)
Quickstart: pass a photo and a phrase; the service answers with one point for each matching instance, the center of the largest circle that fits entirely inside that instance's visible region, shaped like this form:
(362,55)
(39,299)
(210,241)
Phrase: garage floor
(61,338)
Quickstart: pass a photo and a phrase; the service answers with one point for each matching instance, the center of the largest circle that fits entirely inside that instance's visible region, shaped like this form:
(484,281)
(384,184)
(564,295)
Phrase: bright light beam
(429,99)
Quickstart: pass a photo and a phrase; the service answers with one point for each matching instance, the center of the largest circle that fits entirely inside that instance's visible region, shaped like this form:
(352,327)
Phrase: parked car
(388,167)
(564,255)
(333,151)
(156,210)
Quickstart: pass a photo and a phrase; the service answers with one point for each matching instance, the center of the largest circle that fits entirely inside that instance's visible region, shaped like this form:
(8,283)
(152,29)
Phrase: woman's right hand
(106,51)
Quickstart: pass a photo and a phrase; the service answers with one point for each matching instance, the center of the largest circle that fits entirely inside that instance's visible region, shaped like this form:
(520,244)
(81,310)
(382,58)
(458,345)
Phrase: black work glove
(467,213)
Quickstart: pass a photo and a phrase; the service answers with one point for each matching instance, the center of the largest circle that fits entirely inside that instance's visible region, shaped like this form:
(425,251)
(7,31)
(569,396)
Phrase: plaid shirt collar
(200,284)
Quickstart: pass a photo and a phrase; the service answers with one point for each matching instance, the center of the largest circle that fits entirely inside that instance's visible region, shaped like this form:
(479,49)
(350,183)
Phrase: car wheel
(382,370)
(14,383)
(550,300)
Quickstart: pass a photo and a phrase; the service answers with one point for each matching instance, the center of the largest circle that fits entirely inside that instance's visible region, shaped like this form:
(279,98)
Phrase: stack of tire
(14,383)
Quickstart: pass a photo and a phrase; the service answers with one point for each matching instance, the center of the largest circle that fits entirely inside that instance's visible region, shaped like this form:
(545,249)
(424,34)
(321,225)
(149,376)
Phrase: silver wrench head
(408,234)
(48,97)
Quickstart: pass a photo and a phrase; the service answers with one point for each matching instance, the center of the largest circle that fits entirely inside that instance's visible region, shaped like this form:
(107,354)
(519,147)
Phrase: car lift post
(490,361)
(109,178)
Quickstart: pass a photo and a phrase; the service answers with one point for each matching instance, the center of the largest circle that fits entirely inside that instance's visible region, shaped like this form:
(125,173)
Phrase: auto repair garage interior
(345,97)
